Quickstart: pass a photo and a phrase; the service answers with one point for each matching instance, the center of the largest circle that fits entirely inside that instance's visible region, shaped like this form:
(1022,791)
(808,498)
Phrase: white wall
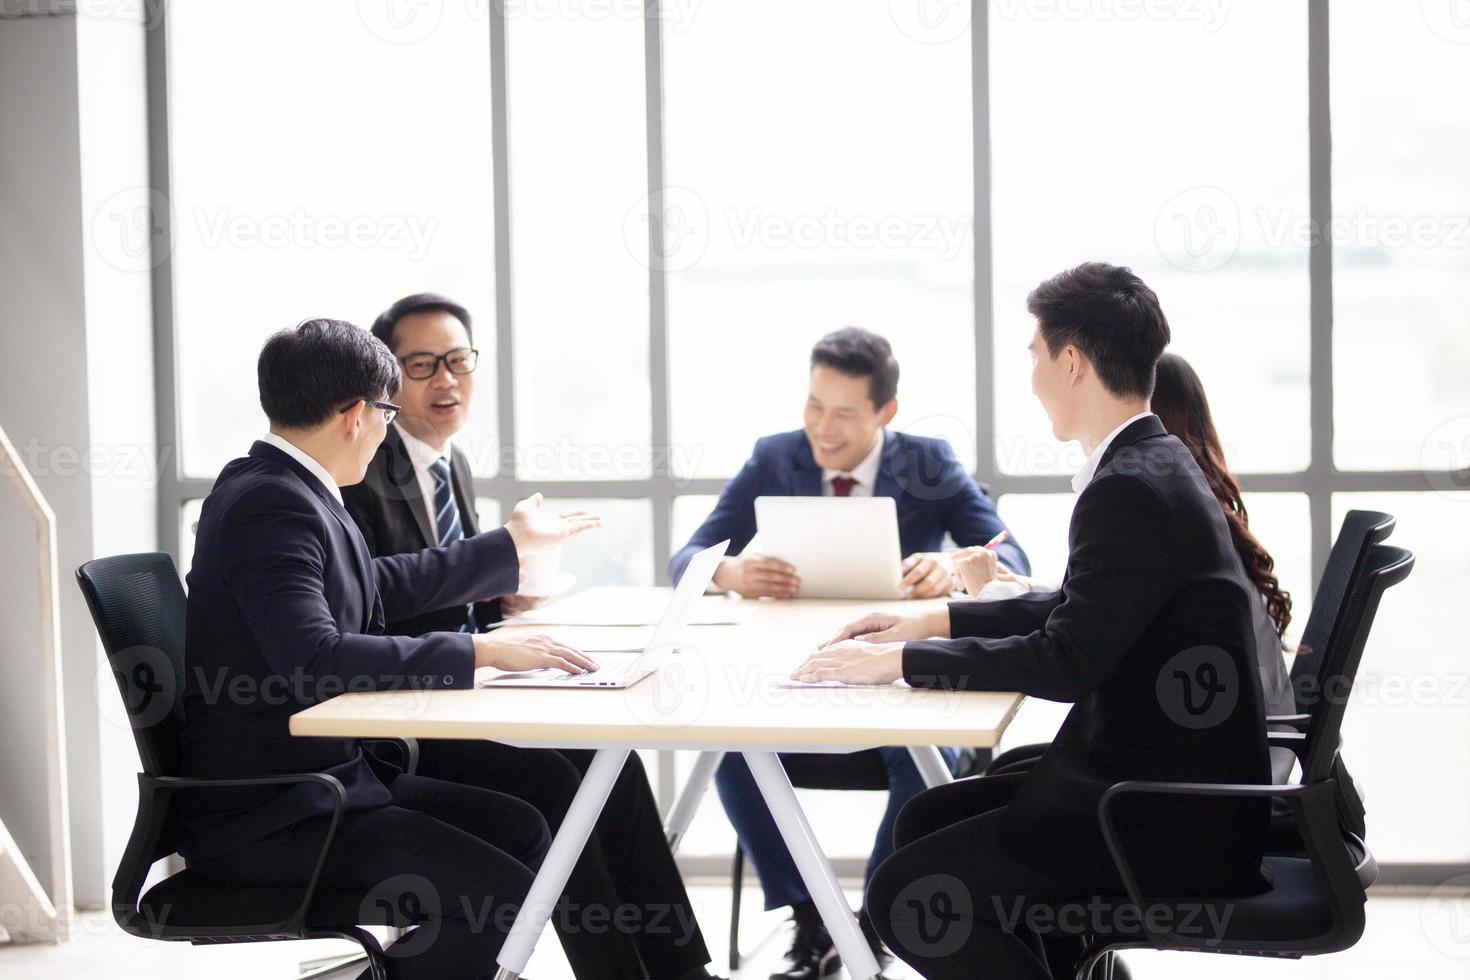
(112,98)
(76,397)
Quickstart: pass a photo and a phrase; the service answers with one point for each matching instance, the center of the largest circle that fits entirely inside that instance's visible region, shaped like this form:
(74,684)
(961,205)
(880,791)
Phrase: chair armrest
(1296,741)
(1313,808)
(408,750)
(1297,721)
(155,796)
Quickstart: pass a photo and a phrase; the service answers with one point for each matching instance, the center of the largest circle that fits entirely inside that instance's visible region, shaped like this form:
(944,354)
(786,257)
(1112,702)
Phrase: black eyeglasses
(422,365)
(390,411)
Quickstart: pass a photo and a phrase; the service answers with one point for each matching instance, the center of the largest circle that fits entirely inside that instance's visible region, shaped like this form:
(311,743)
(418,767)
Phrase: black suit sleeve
(733,518)
(1119,574)
(482,567)
(277,573)
(995,618)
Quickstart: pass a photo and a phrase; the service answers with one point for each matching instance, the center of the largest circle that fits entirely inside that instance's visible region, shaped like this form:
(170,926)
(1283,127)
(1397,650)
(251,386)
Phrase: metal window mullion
(165,335)
(660,422)
(984,281)
(658,336)
(1319,265)
(505,392)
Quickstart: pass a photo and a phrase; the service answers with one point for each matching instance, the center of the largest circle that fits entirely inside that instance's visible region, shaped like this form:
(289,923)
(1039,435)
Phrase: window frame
(1319,481)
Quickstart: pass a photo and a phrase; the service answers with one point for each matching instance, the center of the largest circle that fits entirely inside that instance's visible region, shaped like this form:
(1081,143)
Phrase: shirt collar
(866,472)
(421,453)
(1084,476)
(305,459)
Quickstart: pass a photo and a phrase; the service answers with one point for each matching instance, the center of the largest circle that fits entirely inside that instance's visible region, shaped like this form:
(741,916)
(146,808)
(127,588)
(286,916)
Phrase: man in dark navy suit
(286,609)
(844,449)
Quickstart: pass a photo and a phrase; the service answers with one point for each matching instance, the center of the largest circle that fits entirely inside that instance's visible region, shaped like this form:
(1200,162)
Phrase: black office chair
(1361,529)
(137,604)
(1316,900)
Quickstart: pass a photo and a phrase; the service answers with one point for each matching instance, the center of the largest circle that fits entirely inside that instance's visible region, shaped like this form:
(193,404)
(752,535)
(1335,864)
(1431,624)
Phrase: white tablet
(841,547)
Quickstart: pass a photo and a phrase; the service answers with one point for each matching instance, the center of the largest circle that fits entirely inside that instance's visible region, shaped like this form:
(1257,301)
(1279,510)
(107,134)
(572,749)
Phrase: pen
(998,540)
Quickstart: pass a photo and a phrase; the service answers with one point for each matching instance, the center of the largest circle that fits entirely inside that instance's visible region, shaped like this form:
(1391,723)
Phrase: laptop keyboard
(611,669)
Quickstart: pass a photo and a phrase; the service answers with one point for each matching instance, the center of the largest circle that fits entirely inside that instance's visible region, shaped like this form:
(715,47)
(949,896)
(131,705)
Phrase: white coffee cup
(539,571)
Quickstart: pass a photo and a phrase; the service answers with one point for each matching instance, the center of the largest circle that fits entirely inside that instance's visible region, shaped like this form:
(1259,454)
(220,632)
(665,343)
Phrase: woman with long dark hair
(1180,403)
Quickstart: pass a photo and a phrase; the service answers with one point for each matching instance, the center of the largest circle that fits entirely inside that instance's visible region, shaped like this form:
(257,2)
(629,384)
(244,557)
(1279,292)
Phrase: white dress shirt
(865,473)
(305,459)
(422,456)
(1084,476)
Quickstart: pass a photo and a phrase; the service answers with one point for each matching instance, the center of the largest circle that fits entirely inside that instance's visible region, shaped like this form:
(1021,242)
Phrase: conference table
(726,689)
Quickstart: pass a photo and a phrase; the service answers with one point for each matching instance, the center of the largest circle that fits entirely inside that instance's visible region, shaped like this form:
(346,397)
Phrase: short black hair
(309,371)
(859,353)
(419,303)
(1107,313)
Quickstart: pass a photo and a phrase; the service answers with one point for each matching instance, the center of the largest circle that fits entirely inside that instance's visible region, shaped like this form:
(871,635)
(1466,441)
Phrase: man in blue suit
(843,449)
(286,609)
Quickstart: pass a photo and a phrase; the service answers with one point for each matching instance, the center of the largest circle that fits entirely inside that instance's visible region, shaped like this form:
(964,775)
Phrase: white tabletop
(722,693)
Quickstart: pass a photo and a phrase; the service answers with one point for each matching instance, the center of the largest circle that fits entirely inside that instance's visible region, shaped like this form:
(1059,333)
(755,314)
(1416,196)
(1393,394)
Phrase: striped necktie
(446,511)
(446,518)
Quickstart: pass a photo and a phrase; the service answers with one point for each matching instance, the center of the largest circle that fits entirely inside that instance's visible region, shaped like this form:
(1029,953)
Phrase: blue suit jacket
(934,494)
(286,609)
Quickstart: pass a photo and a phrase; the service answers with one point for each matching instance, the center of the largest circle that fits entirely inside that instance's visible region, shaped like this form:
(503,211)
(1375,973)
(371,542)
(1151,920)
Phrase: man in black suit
(419,492)
(1149,637)
(286,609)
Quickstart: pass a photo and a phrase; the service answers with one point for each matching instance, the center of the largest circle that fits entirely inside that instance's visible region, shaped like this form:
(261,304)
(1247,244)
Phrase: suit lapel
(806,475)
(892,468)
(464,490)
(405,483)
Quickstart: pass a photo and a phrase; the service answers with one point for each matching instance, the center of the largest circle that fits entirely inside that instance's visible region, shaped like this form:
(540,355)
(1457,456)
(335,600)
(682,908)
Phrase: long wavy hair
(1179,401)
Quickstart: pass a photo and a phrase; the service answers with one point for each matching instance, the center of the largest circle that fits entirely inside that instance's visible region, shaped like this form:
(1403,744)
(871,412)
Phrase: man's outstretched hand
(534,528)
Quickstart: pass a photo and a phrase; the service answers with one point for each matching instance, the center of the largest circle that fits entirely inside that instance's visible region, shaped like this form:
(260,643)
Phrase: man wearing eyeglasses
(286,609)
(418,493)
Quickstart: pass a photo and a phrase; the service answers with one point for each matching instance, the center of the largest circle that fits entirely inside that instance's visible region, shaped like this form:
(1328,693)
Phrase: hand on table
(853,662)
(892,628)
(529,653)
(926,575)
(753,576)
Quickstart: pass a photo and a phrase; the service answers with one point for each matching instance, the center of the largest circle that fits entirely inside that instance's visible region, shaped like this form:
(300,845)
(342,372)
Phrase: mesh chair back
(1360,530)
(137,604)
(1384,566)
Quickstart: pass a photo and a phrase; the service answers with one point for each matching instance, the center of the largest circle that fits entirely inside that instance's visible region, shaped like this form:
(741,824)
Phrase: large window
(1116,138)
(579,287)
(1401,236)
(652,222)
(833,186)
(318,169)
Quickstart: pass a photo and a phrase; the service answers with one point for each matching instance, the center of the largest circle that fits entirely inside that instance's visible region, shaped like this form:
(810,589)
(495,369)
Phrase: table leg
(815,870)
(683,812)
(567,846)
(931,765)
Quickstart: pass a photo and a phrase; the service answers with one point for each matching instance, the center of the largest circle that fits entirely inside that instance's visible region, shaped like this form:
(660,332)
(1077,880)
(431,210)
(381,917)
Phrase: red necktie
(842,486)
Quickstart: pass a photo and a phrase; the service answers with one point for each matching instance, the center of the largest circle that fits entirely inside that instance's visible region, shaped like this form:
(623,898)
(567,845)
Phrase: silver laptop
(841,547)
(624,668)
